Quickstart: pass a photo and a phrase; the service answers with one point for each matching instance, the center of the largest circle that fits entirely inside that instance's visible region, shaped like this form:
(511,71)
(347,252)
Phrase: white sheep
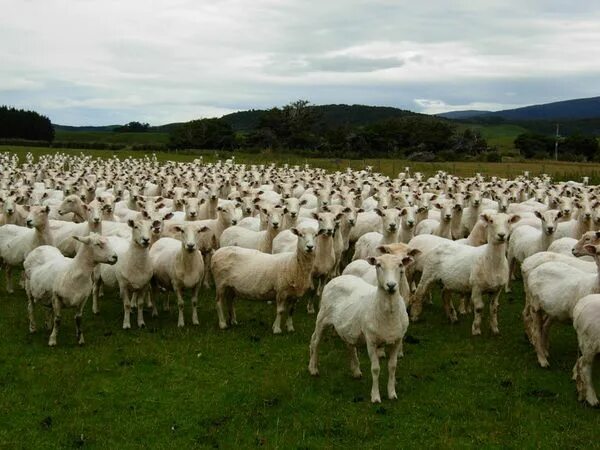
(177,264)
(259,240)
(465,269)
(16,242)
(586,321)
(64,282)
(251,274)
(358,310)
(367,244)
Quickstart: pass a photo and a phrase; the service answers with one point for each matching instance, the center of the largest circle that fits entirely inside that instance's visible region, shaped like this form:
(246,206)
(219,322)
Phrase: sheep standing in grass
(357,310)
(17,242)
(64,282)
(283,277)
(586,320)
(259,240)
(367,244)
(465,269)
(177,264)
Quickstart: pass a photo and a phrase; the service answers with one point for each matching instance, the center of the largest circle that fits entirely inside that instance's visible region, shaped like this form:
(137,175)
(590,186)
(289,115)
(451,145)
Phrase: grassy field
(560,170)
(501,136)
(112,137)
(198,387)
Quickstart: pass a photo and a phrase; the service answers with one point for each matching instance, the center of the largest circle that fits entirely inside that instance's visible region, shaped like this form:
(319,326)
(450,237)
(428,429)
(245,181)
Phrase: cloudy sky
(99,62)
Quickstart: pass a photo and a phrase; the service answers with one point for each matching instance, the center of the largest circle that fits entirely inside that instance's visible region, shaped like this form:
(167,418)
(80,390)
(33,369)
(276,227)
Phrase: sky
(101,62)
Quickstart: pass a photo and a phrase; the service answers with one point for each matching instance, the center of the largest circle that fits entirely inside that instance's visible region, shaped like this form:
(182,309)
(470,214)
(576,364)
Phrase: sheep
(255,275)
(16,242)
(552,291)
(576,227)
(362,269)
(465,269)
(132,273)
(440,227)
(177,264)
(65,282)
(12,213)
(259,240)
(367,243)
(586,321)
(324,262)
(358,310)
(526,241)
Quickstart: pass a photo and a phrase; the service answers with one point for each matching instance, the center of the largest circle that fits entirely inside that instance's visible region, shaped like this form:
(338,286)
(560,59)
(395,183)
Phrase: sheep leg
(392,362)
(9,281)
(208,278)
(95,295)
(219,304)
(417,303)
(195,305)
(546,334)
(310,307)
(30,313)
(448,306)
(476,298)
(281,308)
(153,300)
(289,321)
(584,380)
(372,350)
(166,305)
(511,274)
(180,304)
(494,304)
(79,331)
(231,312)
(354,361)
(537,337)
(56,307)
(126,308)
(315,339)
(138,298)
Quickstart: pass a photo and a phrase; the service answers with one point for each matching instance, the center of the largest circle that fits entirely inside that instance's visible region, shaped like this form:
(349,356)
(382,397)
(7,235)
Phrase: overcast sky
(99,62)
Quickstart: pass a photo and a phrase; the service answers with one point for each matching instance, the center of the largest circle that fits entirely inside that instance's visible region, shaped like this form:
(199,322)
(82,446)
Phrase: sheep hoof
(126,326)
(313,371)
(180,325)
(52,343)
(393,396)
(32,329)
(276,330)
(141,325)
(81,341)
(375,398)
(543,363)
(357,375)
(222,325)
(593,402)
(195,322)
(476,332)
(96,312)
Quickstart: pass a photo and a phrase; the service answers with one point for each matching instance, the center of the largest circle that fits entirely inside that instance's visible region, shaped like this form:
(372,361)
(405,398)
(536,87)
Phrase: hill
(577,109)
(331,115)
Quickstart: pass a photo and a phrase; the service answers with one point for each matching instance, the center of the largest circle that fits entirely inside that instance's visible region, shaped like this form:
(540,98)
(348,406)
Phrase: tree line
(575,147)
(22,124)
(299,127)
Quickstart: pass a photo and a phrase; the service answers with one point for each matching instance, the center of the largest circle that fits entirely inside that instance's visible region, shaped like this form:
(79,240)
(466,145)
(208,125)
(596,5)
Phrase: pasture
(202,387)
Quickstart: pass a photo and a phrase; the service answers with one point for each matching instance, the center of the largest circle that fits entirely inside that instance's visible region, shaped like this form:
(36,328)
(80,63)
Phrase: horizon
(106,63)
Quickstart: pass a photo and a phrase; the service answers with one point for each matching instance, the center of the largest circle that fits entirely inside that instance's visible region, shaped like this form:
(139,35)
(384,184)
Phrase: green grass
(110,137)
(163,387)
(501,136)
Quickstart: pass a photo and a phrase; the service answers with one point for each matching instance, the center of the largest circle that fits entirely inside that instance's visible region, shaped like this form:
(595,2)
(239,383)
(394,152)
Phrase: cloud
(110,61)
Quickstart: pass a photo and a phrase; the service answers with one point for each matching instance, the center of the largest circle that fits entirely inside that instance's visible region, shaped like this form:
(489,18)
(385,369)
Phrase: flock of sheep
(369,248)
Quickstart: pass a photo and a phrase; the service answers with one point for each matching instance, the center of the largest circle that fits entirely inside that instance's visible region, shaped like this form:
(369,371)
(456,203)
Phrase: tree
(534,145)
(578,144)
(133,127)
(21,124)
(203,134)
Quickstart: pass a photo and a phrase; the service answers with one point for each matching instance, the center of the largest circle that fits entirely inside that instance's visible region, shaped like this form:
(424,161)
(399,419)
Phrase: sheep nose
(588,215)
(309,247)
(145,240)
(190,247)
(213,197)
(329,231)
(193,213)
(351,222)
(448,216)
(249,210)
(29,223)
(573,252)
(501,236)
(391,286)
(114,258)
(96,220)
(233,222)
(550,229)
(9,210)
(392,226)
(275,225)
(293,215)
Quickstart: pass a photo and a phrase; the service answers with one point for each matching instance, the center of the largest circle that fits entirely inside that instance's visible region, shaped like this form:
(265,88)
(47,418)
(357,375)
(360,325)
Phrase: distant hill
(582,108)
(466,114)
(331,115)
(58,127)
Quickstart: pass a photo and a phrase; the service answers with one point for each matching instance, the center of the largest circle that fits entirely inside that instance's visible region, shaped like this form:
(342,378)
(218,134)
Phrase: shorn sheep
(465,269)
(283,277)
(358,310)
(177,264)
(586,321)
(64,282)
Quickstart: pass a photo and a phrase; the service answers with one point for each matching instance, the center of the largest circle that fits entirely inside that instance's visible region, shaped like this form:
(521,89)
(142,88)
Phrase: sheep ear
(347,209)
(383,249)
(403,211)
(315,216)
(407,260)
(178,228)
(303,202)
(203,229)
(130,223)
(434,196)
(295,231)
(559,215)
(360,210)
(597,234)
(538,214)
(86,239)
(486,218)
(339,216)
(202,201)
(591,249)
(325,208)
(414,252)
(514,218)
(438,205)
(145,214)
(372,260)
(379,212)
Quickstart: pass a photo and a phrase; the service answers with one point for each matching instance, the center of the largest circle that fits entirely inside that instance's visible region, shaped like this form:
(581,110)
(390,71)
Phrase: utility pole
(556,144)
